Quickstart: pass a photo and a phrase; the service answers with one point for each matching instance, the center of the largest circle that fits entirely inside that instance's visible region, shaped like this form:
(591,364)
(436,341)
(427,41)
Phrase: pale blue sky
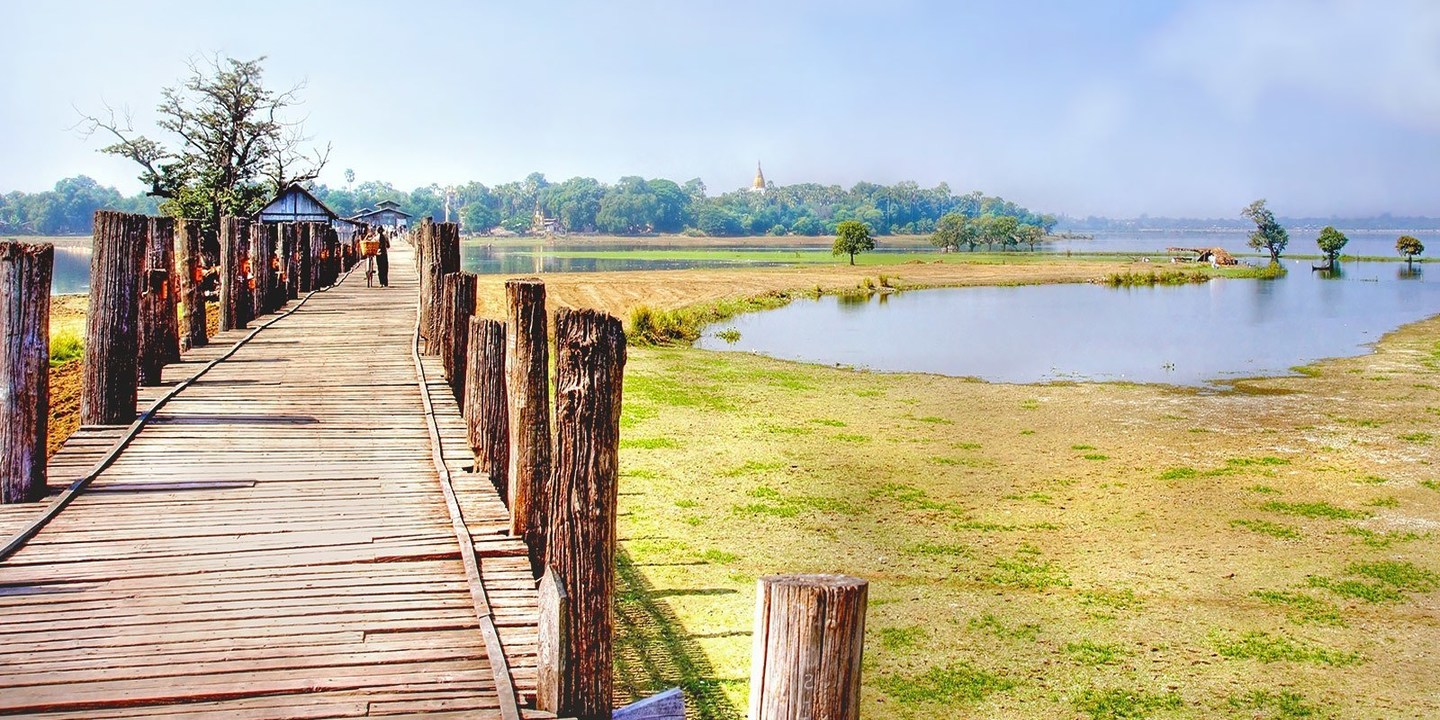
(1117,108)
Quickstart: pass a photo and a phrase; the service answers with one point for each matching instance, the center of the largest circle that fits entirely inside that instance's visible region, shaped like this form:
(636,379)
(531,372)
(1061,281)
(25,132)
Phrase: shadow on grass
(653,653)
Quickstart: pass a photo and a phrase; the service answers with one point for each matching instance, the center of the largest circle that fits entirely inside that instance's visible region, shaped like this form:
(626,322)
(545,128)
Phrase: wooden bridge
(301,524)
(277,541)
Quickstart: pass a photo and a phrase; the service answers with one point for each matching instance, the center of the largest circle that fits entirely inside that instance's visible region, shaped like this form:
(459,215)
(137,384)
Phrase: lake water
(72,264)
(1187,335)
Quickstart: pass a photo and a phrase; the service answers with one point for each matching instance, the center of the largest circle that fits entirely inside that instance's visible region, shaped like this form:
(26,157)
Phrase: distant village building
(387,213)
(296,204)
(759,184)
(541,225)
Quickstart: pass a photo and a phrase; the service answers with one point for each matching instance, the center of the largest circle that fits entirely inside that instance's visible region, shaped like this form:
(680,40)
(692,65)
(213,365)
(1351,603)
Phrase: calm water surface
(1186,335)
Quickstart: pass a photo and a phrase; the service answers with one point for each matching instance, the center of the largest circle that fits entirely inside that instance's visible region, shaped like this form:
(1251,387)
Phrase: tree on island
(233,146)
(1409,246)
(1268,234)
(852,237)
(1330,242)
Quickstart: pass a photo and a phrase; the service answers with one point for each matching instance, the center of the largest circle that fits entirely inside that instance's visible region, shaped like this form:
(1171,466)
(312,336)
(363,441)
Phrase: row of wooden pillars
(561,488)
(146,306)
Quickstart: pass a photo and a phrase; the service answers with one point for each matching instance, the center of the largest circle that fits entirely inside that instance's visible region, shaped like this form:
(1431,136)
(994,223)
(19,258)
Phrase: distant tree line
(69,209)
(635,205)
(1384,221)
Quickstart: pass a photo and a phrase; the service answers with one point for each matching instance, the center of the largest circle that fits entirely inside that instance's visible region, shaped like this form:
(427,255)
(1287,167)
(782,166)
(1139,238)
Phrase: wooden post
(25,273)
(302,258)
(579,539)
(190,272)
(107,394)
(460,298)
(262,253)
(159,333)
(487,420)
(809,638)
(527,390)
(290,234)
(315,255)
(441,257)
(332,250)
(551,645)
(235,302)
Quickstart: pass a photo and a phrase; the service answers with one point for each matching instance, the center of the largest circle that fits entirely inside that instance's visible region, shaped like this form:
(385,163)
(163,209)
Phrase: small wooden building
(387,213)
(295,204)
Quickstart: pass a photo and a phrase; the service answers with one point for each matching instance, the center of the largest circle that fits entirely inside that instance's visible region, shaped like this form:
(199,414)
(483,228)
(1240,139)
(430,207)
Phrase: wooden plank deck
(274,543)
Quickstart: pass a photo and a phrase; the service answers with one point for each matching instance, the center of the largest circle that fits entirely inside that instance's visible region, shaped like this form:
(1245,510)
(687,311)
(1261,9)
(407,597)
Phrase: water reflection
(1409,272)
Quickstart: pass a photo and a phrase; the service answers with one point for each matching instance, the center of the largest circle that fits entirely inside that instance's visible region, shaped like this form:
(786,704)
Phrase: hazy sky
(1093,107)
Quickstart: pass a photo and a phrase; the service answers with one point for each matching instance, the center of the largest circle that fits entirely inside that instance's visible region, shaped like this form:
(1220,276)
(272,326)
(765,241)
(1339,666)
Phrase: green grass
(1283,705)
(1263,490)
(989,624)
(1026,572)
(751,467)
(1147,279)
(1113,599)
(1314,510)
(1430,484)
(1303,609)
(1383,539)
(938,550)
(1356,589)
(901,638)
(1180,473)
(951,686)
(649,444)
(1265,527)
(1117,704)
(1096,456)
(1095,654)
(1417,437)
(1267,648)
(1400,575)
(1389,501)
(649,326)
(66,345)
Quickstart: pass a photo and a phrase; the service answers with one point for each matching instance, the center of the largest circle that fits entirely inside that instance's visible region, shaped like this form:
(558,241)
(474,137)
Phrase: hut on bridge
(387,213)
(296,204)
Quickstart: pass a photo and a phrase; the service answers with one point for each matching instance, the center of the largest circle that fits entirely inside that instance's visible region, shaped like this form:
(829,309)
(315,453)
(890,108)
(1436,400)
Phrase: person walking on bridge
(382,258)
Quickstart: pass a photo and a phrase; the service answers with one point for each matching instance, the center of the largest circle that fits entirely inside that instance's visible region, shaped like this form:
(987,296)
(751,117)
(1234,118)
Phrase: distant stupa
(759,184)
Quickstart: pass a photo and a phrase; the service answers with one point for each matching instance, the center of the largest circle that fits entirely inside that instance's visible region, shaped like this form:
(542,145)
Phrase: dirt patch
(65,382)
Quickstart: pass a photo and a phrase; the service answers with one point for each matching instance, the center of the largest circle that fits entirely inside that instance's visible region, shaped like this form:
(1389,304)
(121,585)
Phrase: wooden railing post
(107,394)
(235,302)
(527,389)
(487,416)
(290,234)
(314,255)
(455,337)
(25,273)
(262,253)
(442,257)
(553,629)
(190,272)
(159,322)
(808,642)
(579,544)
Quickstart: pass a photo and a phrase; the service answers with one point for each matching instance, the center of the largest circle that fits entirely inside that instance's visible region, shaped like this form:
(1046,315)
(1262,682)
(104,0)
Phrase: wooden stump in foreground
(527,389)
(809,637)
(112,332)
(25,272)
(487,416)
(579,544)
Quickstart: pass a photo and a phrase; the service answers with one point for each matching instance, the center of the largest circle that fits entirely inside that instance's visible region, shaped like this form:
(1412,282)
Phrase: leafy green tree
(851,238)
(1029,234)
(478,218)
(233,147)
(1331,241)
(672,205)
(1409,246)
(717,221)
(1268,234)
(955,230)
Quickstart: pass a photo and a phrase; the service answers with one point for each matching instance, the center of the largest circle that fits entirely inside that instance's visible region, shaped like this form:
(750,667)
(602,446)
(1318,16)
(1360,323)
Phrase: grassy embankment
(1064,550)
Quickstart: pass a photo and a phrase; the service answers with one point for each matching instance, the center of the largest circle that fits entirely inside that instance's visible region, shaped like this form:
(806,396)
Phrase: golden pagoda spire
(759,183)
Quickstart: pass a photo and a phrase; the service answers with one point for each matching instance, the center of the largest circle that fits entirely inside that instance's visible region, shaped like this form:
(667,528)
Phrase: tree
(1030,234)
(954,230)
(233,146)
(1268,235)
(1330,242)
(851,238)
(1409,246)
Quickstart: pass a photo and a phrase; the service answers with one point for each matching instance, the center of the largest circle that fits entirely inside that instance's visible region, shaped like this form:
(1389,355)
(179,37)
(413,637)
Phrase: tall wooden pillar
(112,332)
(460,290)
(25,273)
(190,272)
(262,254)
(527,367)
(487,417)
(236,306)
(582,499)
(159,320)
